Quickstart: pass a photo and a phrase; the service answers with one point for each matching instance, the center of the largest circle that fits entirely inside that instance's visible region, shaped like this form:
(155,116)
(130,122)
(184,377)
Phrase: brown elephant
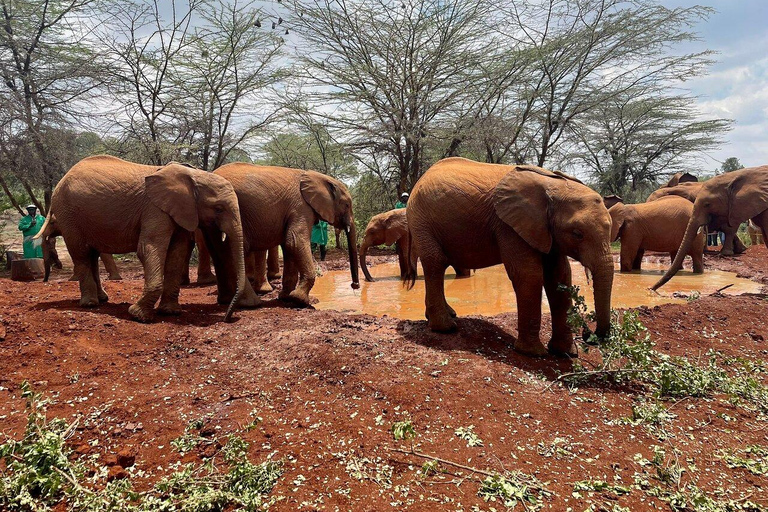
(278,206)
(727,200)
(682,185)
(391,228)
(107,205)
(51,255)
(475,215)
(655,226)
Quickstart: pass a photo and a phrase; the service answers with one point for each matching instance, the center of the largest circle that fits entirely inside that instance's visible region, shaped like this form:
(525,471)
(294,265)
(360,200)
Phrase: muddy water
(489,291)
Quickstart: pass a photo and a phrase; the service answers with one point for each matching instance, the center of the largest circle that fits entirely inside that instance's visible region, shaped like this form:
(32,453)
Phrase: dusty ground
(329,386)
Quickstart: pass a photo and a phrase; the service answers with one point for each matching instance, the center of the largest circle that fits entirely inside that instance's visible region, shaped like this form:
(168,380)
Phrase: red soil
(329,386)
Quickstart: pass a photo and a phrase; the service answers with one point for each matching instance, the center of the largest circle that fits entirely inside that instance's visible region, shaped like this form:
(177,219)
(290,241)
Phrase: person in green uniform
(403,201)
(320,237)
(30,225)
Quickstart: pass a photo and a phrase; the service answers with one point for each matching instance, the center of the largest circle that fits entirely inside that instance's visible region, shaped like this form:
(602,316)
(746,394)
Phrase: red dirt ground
(329,386)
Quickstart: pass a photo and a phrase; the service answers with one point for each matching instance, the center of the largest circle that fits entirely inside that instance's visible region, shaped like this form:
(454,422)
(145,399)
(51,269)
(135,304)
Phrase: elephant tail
(409,278)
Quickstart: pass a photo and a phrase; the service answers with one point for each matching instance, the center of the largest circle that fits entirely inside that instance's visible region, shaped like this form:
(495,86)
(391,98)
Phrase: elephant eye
(578,234)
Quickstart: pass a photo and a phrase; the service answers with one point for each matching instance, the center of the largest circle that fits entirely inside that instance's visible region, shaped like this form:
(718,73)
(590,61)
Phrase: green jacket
(398,204)
(29,230)
(320,233)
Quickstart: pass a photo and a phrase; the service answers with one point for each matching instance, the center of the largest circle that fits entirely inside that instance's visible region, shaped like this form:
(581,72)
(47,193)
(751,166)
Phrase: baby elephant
(655,226)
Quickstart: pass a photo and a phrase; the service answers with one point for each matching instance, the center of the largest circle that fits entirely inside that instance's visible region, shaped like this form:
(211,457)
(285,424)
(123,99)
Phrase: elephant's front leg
(204,272)
(176,261)
(557,272)
(629,251)
(273,263)
(528,280)
(152,252)
(299,271)
(258,264)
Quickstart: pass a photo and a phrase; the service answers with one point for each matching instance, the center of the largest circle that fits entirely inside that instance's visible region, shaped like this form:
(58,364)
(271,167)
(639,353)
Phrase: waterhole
(489,292)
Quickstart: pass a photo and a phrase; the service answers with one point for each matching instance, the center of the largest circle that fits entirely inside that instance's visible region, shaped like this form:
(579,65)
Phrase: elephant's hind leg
(299,271)
(440,316)
(111,267)
(273,263)
(94,260)
(257,261)
(175,262)
(152,252)
(557,271)
(89,289)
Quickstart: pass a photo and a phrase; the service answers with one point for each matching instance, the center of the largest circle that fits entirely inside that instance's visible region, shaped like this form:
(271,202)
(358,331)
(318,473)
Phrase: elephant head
(332,202)
(553,212)
(195,198)
(385,228)
(725,200)
(611,200)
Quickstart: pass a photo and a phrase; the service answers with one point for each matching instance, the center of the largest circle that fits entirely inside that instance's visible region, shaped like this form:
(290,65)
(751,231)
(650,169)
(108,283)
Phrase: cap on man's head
(31,207)
(404,194)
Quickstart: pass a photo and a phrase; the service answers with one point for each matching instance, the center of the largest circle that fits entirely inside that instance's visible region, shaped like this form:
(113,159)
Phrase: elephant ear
(522,200)
(320,193)
(173,190)
(674,180)
(747,197)
(396,226)
(618,217)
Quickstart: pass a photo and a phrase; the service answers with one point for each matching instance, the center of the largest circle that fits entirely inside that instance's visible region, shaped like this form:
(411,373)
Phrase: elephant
(475,215)
(389,228)
(755,235)
(278,206)
(689,190)
(727,200)
(51,255)
(107,205)
(611,200)
(655,226)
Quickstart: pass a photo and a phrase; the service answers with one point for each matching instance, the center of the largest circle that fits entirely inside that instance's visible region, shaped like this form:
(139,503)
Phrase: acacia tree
(227,75)
(383,73)
(636,140)
(49,72)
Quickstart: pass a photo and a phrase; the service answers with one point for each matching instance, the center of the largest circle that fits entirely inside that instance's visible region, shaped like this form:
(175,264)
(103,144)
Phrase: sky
(737,86)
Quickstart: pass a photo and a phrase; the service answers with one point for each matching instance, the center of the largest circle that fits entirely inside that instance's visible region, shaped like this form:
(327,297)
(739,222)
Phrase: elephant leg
(257,260)
(111,267)
(557,271)
(402,259)
(94,264)
(273,263)
(302,270)
(204,273)
(337,232)
(462,272)
(738,245)
(89,290)
(440,316)
(629,251)
(190,245)
(176,261)
(637,263)
(152,253)
(761,221)
(528,283)
(729,245)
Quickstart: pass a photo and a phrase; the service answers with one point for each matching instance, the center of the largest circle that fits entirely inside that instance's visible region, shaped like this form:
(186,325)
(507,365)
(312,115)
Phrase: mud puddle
(489,292)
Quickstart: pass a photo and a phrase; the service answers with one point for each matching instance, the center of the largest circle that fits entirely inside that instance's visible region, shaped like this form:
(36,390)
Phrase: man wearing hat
(403,201)
(30,225)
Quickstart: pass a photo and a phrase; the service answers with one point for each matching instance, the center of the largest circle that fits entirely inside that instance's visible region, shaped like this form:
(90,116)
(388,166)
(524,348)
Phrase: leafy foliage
(514,488)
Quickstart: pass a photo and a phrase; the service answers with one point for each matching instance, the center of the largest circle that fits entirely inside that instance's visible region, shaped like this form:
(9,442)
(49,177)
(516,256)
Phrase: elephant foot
(170,309)
(272,277)
(296,296)
(263,288)
(531,348)
(88,302)
(451,311)
(115,277)
(442,322)
(249,301)
(563,347)
(103,297)
(73,277)
(206,279)
(726,252)
(140,314)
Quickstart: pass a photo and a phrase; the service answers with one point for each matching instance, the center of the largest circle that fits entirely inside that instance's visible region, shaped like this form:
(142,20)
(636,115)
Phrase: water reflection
(489,291)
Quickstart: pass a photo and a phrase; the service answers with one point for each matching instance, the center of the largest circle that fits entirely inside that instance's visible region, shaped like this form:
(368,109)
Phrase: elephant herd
(461,213)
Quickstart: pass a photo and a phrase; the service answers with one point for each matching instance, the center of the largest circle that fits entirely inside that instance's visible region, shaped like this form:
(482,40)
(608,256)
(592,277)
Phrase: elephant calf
(655,226)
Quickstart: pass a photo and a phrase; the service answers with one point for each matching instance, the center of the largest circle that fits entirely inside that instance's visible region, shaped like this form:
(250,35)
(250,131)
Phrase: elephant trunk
(602,276)
(363,262)
(352,247)
(685,246)
(236,240)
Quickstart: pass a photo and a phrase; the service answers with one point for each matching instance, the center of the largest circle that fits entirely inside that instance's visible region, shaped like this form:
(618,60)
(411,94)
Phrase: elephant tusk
(348,229)
(223,237)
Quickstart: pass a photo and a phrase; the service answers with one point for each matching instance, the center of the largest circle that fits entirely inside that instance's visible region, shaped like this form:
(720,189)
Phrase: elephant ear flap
(674,180)
(618,216)
(172,189)
(747,198)
(521,200)
(320,193)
